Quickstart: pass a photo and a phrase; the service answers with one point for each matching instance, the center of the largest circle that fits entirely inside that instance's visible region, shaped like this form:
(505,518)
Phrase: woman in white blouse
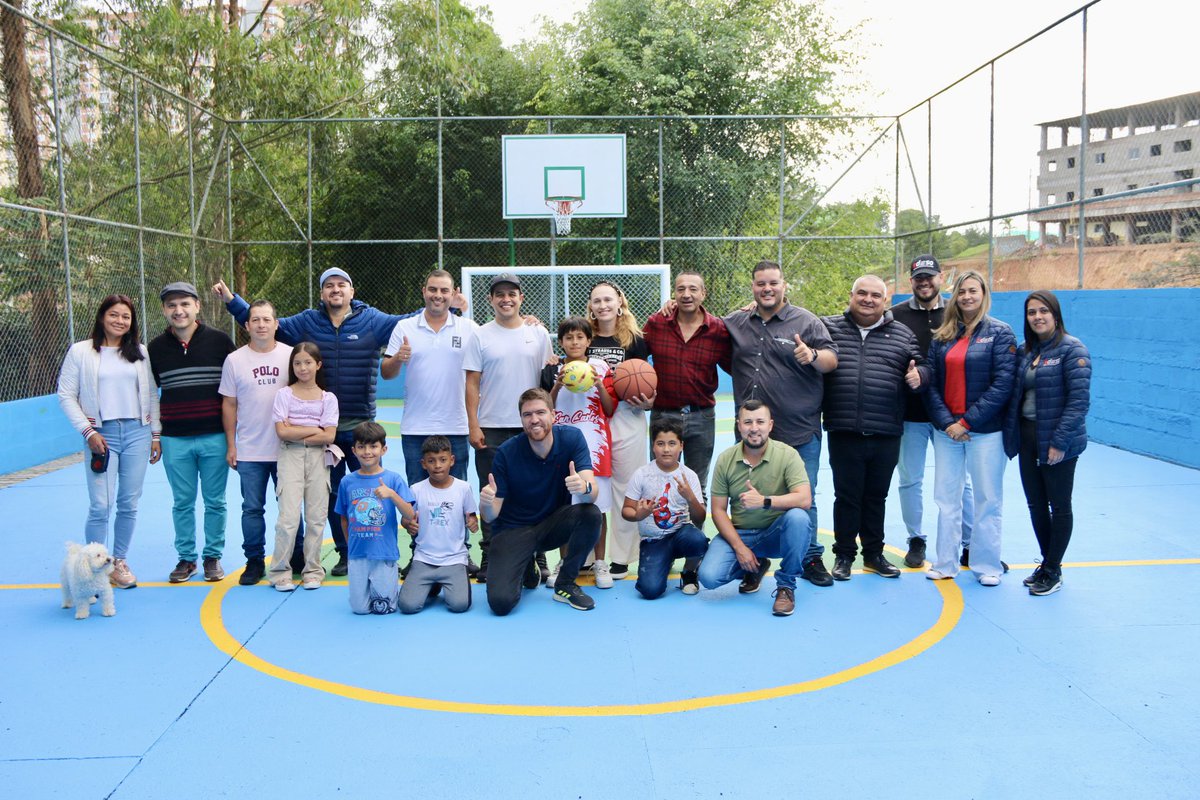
(108,394)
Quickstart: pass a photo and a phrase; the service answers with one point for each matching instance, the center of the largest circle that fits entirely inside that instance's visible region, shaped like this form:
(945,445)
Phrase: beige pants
(303,478)
(629,451)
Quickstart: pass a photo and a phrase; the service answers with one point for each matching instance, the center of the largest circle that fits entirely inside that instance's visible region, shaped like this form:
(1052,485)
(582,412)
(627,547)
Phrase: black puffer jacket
(866,392)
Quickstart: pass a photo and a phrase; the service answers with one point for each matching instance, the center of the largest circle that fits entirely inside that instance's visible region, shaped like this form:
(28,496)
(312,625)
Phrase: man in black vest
(879,362)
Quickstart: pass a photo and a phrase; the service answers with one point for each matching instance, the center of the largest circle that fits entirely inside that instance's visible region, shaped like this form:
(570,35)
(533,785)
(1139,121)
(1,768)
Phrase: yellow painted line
(213,623)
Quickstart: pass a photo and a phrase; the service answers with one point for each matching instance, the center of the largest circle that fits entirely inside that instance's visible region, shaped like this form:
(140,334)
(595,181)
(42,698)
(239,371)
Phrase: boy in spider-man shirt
(663,497)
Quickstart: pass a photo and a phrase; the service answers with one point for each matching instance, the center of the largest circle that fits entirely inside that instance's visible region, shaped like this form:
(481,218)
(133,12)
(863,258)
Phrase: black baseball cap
(924,265)
(504,277)
(179,287)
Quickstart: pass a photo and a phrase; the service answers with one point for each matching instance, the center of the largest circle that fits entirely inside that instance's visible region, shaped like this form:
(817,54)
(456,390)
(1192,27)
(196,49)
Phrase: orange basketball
(634,377)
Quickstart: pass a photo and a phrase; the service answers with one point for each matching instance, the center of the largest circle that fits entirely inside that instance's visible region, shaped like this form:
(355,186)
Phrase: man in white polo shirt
(430,347)
(250,377)
(505,358)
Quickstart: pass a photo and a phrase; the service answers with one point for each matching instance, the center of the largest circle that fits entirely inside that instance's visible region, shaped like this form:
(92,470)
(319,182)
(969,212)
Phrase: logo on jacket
(456,342)
(352,337)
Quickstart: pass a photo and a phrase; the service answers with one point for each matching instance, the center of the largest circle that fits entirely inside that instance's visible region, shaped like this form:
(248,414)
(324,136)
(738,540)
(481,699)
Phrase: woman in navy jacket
(1050,399)
(973,358)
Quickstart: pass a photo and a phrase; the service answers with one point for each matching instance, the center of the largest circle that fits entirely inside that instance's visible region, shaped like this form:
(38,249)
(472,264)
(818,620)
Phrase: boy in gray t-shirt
(663,497)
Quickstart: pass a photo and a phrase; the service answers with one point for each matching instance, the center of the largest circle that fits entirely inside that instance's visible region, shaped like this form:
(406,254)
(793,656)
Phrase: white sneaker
(310,584)
(603,576)
(989,580)
(936,575)
(285,586)
(552,577)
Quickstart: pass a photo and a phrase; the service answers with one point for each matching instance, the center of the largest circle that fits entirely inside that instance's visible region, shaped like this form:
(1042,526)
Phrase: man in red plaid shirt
(687,345)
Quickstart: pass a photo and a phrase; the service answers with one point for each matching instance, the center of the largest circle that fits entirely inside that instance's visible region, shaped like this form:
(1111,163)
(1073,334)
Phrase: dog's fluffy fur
(85,574)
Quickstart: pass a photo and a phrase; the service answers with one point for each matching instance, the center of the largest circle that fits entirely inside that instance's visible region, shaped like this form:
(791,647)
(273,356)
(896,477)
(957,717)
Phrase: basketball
(634,377)
(577,376)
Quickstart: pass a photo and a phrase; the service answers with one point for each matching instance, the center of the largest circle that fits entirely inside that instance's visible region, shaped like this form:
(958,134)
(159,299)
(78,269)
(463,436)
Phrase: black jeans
(493,437)
(512,551)
(1048,491)
(862,474)
(344,440)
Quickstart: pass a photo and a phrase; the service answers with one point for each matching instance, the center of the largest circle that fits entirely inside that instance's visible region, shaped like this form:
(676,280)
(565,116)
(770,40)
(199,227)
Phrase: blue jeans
(983,459)
(120,485)
(186,459)
(788,538)
(657,555)
(914,444)
(411,443)
(810,452)
(254,476)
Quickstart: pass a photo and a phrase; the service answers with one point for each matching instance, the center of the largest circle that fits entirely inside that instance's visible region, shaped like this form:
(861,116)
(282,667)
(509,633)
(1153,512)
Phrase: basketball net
(563,209)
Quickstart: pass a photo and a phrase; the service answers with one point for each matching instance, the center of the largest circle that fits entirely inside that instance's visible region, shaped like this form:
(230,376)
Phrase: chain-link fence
(1056,181)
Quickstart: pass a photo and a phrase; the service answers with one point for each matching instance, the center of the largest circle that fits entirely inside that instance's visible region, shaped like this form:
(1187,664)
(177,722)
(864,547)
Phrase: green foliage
(943,244)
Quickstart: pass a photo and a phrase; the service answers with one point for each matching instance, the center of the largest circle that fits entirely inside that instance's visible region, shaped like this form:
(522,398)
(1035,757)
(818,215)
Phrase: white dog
(85,574)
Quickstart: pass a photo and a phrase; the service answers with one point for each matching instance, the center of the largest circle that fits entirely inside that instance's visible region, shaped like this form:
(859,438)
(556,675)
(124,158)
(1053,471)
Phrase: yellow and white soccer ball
(577,376)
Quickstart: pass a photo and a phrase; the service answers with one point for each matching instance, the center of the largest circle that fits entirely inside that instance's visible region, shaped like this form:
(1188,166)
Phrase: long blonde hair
(948,331)
(627,328)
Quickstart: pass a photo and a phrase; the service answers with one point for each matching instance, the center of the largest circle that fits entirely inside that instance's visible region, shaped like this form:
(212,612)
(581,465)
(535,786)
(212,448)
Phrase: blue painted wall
(34,431)
(1145,378)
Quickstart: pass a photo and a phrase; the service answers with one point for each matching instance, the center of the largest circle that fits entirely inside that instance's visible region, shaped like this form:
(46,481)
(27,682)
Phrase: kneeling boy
(446,510)
(663,497)
(367,502)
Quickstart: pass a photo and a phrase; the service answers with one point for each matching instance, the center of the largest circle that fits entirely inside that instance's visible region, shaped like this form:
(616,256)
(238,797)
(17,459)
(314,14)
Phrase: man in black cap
(504,359)
(922,314)
(186,360)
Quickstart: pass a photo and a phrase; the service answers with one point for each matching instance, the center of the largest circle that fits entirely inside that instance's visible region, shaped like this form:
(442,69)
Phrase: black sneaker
(405,570)
(533,575)
(881,567)
(815,573)
(689,582)
(341,567)
(1049,583)
(572,595)
(752,580)
(915,557)
(841,568)
(1034,577)
(472,568)
(618,571)
(481,573)
(253,572)
(297,564)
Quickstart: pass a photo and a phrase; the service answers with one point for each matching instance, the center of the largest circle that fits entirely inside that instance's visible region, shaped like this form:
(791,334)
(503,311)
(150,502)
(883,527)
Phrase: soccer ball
(577,376)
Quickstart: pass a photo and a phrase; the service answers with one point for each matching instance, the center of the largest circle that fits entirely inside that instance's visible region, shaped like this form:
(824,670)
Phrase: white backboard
(541,167)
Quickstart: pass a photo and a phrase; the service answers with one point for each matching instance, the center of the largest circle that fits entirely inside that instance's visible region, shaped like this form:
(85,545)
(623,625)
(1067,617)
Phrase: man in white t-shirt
(505,358)
(250,377)
(430,347)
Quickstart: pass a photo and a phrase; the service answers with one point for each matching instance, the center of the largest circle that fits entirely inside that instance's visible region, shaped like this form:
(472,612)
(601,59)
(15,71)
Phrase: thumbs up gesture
(405,351)
(911,376)
(385,492)
(803,353)
(487,494)
(751,497)
(574,482)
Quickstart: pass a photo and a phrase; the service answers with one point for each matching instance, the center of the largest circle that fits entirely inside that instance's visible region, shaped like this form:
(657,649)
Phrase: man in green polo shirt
(760,498)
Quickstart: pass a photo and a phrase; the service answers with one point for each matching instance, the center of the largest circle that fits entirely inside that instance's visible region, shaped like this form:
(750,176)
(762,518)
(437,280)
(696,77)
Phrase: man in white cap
(351,335)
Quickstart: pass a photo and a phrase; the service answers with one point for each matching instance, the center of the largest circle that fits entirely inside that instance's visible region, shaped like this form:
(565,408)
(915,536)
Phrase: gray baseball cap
(504,277)
(178,287)
(334,272)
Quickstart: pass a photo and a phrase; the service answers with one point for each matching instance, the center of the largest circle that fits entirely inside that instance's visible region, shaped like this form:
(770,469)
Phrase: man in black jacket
(879,362)
(922,313)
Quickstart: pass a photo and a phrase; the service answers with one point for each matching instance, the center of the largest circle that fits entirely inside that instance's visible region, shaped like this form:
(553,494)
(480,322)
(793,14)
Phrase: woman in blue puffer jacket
(1050,400)
(973,358)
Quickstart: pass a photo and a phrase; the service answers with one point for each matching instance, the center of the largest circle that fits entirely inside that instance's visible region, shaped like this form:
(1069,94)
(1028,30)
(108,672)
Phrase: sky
(1137,52)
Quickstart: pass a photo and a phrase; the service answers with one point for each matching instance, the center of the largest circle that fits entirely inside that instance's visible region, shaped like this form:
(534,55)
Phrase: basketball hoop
(563,208)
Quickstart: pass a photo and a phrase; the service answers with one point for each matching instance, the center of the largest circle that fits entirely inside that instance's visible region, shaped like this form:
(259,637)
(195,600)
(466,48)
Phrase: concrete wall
(1145,378)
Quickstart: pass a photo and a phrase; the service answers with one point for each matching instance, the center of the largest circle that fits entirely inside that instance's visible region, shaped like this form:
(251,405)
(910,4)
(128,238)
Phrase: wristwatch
(587,489)
(766,502)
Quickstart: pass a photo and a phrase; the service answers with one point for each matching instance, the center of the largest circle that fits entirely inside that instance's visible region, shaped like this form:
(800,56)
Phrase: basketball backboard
(541,169)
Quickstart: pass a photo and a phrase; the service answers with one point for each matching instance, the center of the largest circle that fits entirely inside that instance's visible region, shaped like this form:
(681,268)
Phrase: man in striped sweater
(186,360)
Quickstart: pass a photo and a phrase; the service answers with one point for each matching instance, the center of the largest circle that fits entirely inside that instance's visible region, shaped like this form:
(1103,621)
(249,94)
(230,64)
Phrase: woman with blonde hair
(618,337)
(973,357)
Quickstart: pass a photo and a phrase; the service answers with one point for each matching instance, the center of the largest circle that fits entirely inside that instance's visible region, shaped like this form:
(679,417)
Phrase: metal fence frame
(231,140)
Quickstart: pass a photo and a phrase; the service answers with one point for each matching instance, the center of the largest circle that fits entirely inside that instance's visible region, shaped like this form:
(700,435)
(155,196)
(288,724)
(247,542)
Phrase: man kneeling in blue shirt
(539,496)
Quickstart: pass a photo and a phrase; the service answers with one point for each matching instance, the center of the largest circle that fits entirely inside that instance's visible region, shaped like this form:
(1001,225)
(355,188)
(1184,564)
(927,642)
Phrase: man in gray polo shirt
(781,353)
